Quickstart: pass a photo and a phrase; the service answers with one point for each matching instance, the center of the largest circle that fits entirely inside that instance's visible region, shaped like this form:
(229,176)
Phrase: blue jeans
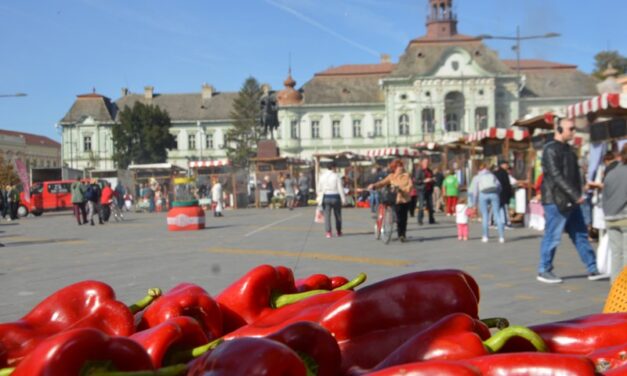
(374,201)
(332,204)
(492,199)
(574,225)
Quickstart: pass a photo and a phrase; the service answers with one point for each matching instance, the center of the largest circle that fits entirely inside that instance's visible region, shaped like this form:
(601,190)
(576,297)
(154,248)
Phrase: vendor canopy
(498,134)
(614,104)
(392,152)
(214,163)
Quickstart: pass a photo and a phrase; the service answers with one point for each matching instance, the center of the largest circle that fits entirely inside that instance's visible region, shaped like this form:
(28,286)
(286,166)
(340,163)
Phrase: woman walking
(484,190)
(402,181)
(331,197)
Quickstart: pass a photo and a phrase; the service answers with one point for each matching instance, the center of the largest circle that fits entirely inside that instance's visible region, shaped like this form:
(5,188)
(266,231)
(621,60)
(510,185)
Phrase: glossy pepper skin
(68,352)
(250,297)
(3,357)
(582,335)
(404,300)
(86,304)
(609,358)
(250,357)
(177,333)
(338,281)
(309,309)
(315,341)
(432,368)
(185,299)
(532,364)
(313,282)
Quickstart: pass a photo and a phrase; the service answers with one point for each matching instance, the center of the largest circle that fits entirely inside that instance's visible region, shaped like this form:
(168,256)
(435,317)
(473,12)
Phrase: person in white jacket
(216,198)
(331,197)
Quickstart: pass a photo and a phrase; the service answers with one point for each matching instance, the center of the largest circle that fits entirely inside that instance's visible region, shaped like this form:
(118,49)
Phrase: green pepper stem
(278,301)
(144,302)
(6,371)
(496,322)
(175,370)
(311,366)
(186,355)
(499,339)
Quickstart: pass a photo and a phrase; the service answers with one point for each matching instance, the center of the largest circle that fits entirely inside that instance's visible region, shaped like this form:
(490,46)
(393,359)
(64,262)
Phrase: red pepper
(69,352)
(581,336)
(250,357)
(250,297)
(177,333)
(609,357)
(313,341)
(533,364)
(404,300)
(3,357)
(620,371)
(185,299)
(314,282)
(433,368)
(338,281)
(456,336)
(87,304)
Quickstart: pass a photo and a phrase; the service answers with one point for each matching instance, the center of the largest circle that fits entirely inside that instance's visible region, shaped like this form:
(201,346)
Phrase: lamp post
(518,38)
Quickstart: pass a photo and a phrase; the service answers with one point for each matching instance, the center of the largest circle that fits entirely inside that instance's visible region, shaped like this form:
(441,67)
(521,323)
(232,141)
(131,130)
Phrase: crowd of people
(9,202)
(93,199)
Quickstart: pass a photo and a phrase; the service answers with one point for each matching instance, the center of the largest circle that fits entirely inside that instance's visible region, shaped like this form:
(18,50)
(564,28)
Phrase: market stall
(234,181)
(275,169)
(158,177)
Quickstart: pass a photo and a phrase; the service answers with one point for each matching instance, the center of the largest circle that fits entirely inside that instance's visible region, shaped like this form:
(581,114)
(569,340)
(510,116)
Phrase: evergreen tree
(241,140)
(603,59)
(142,136)
(8,175)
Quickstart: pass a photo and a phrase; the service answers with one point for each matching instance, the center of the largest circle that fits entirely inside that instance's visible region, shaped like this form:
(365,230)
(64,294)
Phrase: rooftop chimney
(149,92)
(207,91)
(386,58)
(124,91)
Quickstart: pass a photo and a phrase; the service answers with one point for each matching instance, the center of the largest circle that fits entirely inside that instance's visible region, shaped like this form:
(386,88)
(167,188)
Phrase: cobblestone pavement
(43,254)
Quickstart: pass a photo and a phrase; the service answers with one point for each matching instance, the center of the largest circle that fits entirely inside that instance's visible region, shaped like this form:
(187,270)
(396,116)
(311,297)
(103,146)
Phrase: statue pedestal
(267,149)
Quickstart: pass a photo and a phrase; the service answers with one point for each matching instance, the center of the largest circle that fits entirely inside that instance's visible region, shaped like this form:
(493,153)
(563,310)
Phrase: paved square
(45,253)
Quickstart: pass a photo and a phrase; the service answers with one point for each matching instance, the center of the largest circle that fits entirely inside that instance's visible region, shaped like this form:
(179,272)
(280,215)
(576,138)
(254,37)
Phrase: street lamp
(518,38)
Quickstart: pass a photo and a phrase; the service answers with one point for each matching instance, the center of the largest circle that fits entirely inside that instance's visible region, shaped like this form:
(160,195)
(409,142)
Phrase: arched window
(428,120)
(403,125)
(481,118)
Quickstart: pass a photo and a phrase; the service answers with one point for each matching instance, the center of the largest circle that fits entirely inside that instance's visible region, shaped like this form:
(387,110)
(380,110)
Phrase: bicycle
(386,215)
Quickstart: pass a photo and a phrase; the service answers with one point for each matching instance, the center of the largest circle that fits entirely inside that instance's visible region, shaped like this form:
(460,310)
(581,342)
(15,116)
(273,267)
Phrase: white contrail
(322,27)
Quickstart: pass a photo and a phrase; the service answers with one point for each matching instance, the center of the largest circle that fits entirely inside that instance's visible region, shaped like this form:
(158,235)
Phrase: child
(451,191)
(461,218)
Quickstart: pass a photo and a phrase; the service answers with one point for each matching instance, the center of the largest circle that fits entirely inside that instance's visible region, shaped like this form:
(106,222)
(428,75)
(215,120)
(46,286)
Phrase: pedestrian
(561,198)
(2,202)
(373,195)
(92,195)
(106,200)
(331,197)
(424,185)
(413,200)
(216,197)
(14,201)
(303,188)
(128,200)
(450,190)
(290,191)
(484,191)
(78,202)
(506,193)
(400,180)
(461,218)
(615,209)
(438,197)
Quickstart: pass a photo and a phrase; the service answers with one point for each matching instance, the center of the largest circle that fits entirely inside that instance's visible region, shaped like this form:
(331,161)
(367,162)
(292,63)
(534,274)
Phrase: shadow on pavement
(38,242)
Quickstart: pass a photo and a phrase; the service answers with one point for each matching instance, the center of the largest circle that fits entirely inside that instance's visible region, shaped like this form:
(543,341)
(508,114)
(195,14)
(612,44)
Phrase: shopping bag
(319,217)
(604,259)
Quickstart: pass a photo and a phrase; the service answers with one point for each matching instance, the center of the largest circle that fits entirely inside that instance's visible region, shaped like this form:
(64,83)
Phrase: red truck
(47,196)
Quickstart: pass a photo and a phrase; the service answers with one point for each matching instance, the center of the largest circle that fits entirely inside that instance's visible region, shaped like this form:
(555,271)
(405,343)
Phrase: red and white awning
(427,145)
(392,152)
(498,133)
(213,163)
(602,102)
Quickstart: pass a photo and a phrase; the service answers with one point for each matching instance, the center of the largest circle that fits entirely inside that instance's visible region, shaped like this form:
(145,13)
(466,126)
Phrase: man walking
(78,202)
(303,188)
(424,186)
(506,194)
(92,195)
(561,199)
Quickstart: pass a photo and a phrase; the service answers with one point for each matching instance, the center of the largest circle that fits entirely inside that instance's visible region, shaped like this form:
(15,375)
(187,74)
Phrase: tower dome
(289,95)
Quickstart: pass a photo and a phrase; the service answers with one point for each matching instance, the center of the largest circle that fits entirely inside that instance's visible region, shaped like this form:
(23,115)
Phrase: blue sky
(55,49)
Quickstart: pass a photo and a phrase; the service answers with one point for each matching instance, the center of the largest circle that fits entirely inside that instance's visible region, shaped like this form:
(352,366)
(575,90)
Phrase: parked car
(47,196)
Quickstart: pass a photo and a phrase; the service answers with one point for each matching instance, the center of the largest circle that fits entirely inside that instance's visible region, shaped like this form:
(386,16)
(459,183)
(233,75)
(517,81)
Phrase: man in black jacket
(424,187)
(506,193)
(561,197)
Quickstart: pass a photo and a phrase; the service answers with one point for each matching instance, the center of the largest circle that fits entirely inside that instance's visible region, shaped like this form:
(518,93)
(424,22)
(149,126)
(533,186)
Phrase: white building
(444,85)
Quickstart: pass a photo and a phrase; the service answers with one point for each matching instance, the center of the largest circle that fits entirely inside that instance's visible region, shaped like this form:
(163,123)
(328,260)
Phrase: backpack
(488,183)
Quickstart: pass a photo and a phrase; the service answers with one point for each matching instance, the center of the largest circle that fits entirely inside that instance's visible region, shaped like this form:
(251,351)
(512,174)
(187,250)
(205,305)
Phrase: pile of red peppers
(268,323)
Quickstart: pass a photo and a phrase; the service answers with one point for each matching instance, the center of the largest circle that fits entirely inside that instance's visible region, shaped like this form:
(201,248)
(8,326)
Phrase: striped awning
(499,134)
(427,145)
(392,152)
(598,104)
(213,163)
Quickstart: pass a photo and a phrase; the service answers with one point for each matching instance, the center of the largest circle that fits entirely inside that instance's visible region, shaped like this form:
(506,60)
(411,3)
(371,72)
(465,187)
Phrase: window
(378,127)
(403,125)
(452,122)
(428,120)
(335,129)
(501,119)
(209,141)
(87,143)
(356,128)
(315,129)
(191,142)
(294,130)
(176,141)
(481,118)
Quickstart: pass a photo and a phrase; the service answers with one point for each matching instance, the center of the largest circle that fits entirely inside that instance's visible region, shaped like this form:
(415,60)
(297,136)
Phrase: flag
(20,167)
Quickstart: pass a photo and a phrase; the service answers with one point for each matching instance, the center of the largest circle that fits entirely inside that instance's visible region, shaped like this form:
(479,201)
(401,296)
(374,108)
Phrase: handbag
(388,196)
(319,216)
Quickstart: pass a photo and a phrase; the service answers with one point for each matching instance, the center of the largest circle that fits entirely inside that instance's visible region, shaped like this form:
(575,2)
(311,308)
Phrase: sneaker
(459,238)
(595,276)
(328,235)
(484,239)
(402,239)
(501,240)
(339,233)
(548,277)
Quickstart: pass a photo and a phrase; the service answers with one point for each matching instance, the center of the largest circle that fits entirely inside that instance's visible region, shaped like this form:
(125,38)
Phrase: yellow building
(34,150)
